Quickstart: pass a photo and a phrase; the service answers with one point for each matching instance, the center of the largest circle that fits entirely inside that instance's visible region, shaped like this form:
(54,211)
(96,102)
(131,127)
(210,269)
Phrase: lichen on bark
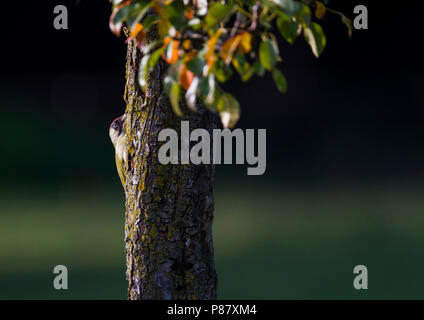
(169,208)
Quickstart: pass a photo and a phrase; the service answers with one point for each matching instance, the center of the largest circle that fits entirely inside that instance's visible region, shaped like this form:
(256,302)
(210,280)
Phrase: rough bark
(169,208)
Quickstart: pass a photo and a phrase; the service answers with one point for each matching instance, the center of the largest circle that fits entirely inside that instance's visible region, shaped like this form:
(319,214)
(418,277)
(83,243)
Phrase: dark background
(344,175)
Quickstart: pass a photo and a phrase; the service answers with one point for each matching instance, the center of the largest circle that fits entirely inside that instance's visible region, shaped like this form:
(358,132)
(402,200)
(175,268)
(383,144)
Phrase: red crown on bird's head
(117,124)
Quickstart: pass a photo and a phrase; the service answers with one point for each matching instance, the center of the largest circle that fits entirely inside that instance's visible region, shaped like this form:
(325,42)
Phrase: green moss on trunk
(169,208)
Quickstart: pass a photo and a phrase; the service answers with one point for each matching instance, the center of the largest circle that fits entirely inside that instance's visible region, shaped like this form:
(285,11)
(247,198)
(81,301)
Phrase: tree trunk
(169,208)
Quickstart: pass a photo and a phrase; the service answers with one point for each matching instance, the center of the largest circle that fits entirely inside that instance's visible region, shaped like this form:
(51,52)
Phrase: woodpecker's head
(116,129)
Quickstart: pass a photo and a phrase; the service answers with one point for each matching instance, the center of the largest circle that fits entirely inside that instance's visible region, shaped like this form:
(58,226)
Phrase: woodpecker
(118,136)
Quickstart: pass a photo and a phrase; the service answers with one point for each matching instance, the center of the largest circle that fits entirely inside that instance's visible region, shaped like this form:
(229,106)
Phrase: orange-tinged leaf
(246,42)
(163,26)
(170,54)
(136,29)
(189,14)
(166,41)
(320,10)
(186,77)
(210,54)
(141,40)
(156,8)
(116,28)
(187,44)
(228,48)
(190,55)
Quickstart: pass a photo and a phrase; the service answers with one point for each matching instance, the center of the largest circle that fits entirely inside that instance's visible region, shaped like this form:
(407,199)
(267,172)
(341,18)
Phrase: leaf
(149,48)
(173,90)
(252,70)
(268,54)
(174,96)
(289,7)
(304,16)
(240,64)
(229,47)
(258,68)
(218,12)
(115,28)
(187,44)
(320,10)
(242,41)
(123,13)
(229,110)
(137,13)
(208,92)
(191,94)
(196,65)
(163,26)
(315,37)
(189,13)
(210,45)
(280,80)
(194,23)
(185,77)
(154,58)
(148,22)
(176,14)
(136,30)
(288,28)
(246,42)
(222,71)
(170,54)
(143,71)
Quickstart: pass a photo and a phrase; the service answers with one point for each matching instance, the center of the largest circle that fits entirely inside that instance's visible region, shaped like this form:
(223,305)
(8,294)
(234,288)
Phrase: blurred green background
(274,239)
(343,186)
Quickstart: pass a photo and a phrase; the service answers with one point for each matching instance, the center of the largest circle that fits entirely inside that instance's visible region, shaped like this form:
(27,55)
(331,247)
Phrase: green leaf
(229,110)
(222,71)
(132,13)
(138,13)
(123,13)
(304,16)
(208,92)
(148,22)
(195,23)
(169,51)
(154,58)
(259,68)
(143,71)
(288,28)
(280,80)
(315,37)
(191,94)
(196,65)
(218,12)
(268,53)
(252,70)
(289,7)
(256,68)
(173,89)
(150,47)
(240,64)
(175,13)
